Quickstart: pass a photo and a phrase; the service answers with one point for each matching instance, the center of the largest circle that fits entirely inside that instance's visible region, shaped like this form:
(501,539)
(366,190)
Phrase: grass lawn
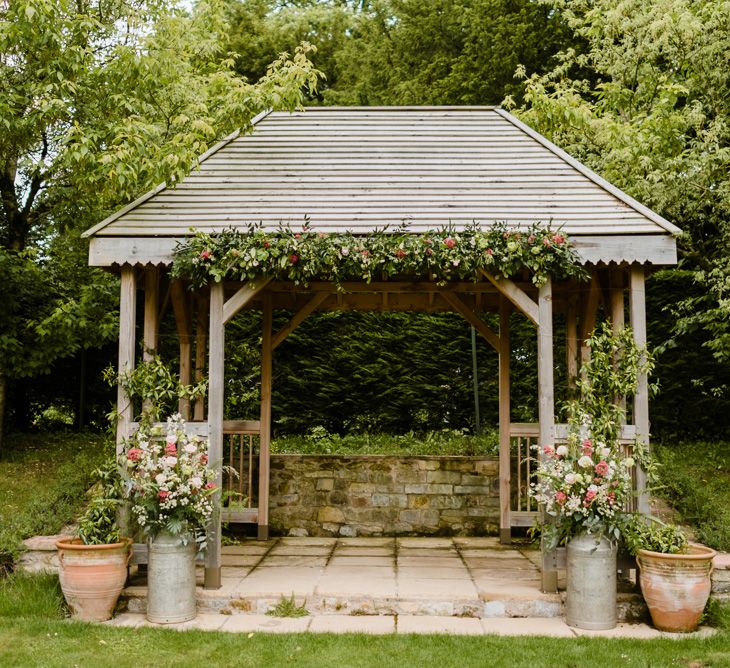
(33,633)
(696,479)
(44,481)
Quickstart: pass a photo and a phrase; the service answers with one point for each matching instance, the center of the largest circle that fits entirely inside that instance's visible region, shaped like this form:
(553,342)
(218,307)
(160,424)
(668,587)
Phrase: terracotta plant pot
(676,586)
(92,576)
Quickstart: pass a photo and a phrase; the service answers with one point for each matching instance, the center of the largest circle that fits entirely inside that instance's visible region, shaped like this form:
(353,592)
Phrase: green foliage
(649,533)
(644,104)
(156,386)
(444,442)
(445,255)
(455,52)
(98,524)
(695,479)
(369,372)
(36,595)
(287,607)
(611,373)
(45,479)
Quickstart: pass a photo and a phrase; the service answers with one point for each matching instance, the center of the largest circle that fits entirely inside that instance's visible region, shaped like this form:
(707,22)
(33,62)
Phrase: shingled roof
(359,169)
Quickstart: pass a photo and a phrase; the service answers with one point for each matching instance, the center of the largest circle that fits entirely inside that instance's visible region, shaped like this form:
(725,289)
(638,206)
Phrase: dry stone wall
(322,495)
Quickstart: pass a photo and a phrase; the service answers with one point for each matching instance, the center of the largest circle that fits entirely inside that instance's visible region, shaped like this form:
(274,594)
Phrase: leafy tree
(100,100)
(443,51)
(652,118)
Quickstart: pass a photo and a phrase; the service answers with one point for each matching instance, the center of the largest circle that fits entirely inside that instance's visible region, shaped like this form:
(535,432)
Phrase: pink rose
(546,241)
(210,485)
(558,239)
(170,449)
(163,494)
(449,242)
(203,458)
(548,450)
(588,499)
(205,255)
(134,454)
(601,468)
(561,497)
(587,447)
(400,253)
(293,259)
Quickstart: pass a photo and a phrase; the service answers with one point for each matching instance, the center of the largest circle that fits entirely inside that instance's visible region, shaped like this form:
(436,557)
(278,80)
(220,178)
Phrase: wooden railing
(241,469)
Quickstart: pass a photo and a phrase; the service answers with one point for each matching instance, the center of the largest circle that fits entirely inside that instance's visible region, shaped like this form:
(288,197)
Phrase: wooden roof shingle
(359,169)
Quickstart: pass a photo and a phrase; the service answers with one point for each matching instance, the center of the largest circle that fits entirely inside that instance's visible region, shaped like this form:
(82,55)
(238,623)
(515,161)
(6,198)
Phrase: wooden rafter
(515,294)
(243,297)
(298,318)
(472,318)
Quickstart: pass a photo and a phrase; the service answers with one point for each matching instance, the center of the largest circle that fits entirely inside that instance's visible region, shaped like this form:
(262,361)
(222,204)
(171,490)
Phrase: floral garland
(443,255)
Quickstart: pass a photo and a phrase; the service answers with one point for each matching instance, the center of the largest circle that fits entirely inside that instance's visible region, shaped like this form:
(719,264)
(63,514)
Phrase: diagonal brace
(299,317)
(472,318)
(243,297)
(517,296)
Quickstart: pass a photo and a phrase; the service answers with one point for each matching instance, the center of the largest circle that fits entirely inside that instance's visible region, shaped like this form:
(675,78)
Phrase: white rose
(190,448)
(605,452)
(570,478)
(585,462)
(160,478)
(196,482)
(562,450)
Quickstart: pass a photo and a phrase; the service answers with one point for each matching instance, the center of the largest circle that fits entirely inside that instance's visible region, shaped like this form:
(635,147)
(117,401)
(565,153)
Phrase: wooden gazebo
(358,170)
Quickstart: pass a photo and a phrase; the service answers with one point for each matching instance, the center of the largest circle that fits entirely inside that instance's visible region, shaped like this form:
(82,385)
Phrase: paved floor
(474,577)
(402,624)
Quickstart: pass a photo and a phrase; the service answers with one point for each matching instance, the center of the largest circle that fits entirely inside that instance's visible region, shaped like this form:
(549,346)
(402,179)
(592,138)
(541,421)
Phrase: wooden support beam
(201,348)
(298,318)
(637,305)
(265,435)
(127,322)
(515,294)
(184,322)
(505,521)
(243,297)
(216,398)
(151,311)
(472,318)
(618,314)
(571,342)
(546,405)
(588,315)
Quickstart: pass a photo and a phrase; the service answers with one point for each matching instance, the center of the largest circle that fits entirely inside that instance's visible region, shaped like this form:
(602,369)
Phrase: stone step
(630,607)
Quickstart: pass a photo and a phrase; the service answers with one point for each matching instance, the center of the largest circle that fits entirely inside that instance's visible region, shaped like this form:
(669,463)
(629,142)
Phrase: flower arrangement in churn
(583,485)
(169,482)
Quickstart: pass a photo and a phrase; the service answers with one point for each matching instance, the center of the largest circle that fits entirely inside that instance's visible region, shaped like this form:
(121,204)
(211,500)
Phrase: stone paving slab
(402,624)
(434,624)
(376,625)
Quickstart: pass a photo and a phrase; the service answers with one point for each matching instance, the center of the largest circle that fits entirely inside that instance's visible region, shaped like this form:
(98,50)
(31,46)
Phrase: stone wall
(322,495)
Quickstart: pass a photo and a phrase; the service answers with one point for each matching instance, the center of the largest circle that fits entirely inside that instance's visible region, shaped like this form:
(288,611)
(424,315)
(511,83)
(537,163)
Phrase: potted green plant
(93,565)
(675,575)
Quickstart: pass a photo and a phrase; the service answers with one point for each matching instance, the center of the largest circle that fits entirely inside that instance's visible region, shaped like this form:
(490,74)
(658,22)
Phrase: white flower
(571,478)
(628,462)
(169,461)
(196,482)
(585,462)
(345,250)
(190,448)
(562,450)
(160,478)
(605,452)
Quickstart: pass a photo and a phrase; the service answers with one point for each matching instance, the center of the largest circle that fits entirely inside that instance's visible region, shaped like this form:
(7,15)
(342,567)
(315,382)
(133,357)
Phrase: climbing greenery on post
(443,255)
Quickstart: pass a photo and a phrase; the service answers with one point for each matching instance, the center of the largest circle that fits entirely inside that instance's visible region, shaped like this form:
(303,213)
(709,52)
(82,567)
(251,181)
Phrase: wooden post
(618,316)
(183,320)
(588,316)
(201,345)
(546,407)
(151,324)
(571,343)
(151,299)
(505,522)
(637,305)
(216,381)
(265,434)
(127,322)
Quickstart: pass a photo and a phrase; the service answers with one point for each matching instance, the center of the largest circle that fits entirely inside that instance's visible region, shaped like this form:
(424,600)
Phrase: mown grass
(44,482)
(444,442)
(38,642)
(695,479)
